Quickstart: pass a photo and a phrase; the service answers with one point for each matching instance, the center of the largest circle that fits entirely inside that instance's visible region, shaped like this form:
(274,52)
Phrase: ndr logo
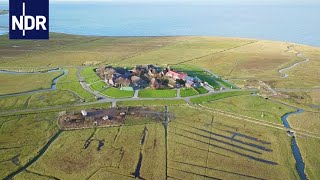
(29,19)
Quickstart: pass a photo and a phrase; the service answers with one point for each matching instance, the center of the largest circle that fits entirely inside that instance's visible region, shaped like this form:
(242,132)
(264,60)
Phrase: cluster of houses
(146,76)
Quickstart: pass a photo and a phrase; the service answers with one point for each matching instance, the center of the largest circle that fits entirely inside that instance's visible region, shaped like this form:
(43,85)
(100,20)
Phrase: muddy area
(109,117)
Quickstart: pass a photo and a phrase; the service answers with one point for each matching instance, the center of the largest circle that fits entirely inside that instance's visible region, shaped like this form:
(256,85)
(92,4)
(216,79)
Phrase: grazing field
(150,102)
(151,93)
(185,92)
(16,83)
(204,145)
(186,50)
(43,99)
(307,100)
(116,157)
(70,82)
(72,50)
(213,97)
(309,121)
(200,145)
(117,93)
(252,106)
(21,137)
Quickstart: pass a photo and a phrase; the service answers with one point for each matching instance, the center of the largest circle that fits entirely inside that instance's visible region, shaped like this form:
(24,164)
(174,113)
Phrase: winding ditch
(300,166)
(33,160)
(53,84)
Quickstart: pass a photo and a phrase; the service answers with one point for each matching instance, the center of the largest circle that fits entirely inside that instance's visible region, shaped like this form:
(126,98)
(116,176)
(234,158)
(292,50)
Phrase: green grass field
(150,102)
(198,141)
(204,145)
(201,144)
(117,93)
(214,97)
(252,106)
(98,86)
(201,90)
(185,92)
(90,75)
(70,82)
(43,99)
(16,83)
(117,158)
(22,136)
(151,93)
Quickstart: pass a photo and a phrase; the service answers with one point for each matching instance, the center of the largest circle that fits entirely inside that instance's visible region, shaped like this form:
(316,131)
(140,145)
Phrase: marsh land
(62,118)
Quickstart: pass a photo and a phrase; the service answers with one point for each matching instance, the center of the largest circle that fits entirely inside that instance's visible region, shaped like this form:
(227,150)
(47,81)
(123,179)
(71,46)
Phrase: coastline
(3,12)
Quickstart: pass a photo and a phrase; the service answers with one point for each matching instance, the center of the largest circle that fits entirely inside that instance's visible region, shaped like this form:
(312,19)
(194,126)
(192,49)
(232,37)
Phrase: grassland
(117,93)
(71,83)
(200,144)
(213,97)
(16,83)
(151,93)
(204,145)
(185,92)
(252,106)
(43,99)
(118,157)
(22,136)
(309,121)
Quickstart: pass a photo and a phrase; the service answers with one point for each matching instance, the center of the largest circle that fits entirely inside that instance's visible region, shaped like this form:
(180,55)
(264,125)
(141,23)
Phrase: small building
(189,84)
(84,113)
(188,78)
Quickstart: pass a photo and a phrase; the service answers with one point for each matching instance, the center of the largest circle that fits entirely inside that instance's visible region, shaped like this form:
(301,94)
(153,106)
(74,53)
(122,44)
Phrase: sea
(289,23)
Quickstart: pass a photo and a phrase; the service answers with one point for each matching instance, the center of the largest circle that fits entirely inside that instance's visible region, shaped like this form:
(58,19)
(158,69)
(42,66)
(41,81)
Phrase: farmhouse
(146,76)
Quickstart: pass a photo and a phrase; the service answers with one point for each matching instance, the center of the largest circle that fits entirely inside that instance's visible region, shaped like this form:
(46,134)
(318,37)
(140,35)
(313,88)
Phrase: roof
(173,73)
(182,75)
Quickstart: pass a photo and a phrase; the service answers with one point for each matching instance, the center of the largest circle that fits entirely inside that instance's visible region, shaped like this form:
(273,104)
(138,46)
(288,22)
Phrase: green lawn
(185,92)
(16,83)
(216,96)
(89,75)
(70,82)
(201,90)
(117,93)
(150,102)
(151,93)
(98,86)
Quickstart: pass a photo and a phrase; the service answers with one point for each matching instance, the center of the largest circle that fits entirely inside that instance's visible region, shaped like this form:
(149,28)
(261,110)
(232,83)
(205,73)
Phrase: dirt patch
(109,117)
